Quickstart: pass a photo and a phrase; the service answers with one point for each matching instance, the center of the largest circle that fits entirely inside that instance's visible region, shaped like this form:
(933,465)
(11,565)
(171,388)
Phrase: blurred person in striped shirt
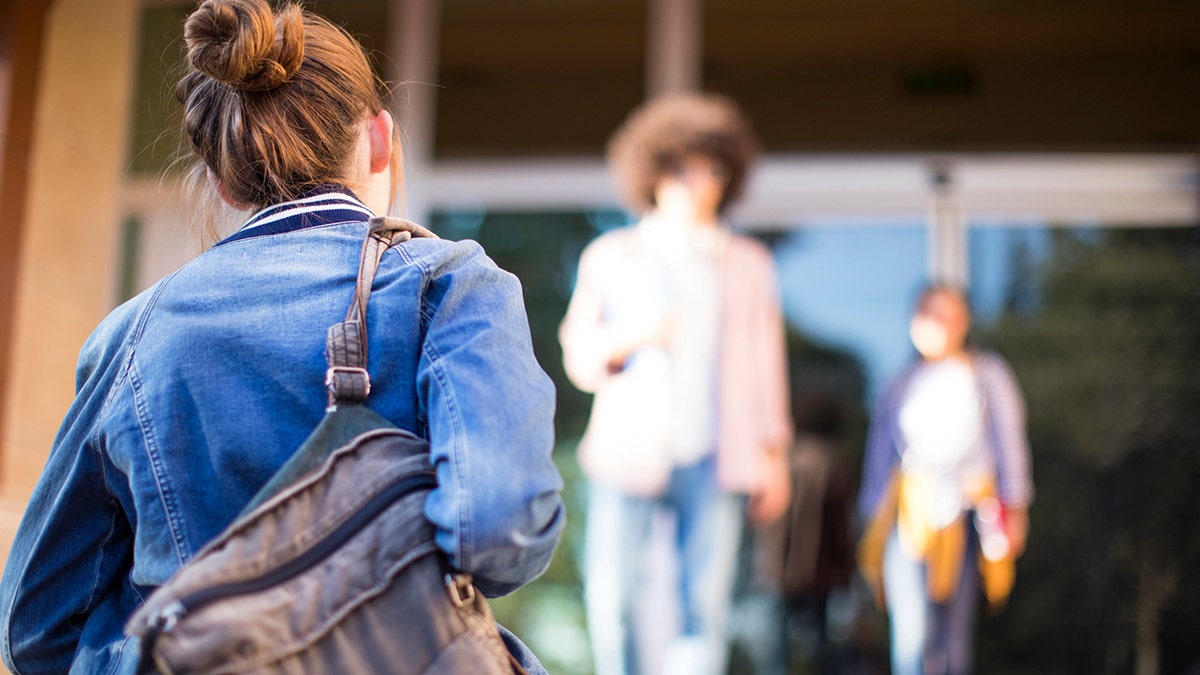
(945,491)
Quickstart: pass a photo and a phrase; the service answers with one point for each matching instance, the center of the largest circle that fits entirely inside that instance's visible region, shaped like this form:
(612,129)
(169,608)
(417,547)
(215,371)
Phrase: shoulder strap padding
(347,378)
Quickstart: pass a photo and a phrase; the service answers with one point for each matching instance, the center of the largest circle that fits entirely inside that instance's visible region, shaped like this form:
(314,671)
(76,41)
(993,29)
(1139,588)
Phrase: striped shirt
(1004,438)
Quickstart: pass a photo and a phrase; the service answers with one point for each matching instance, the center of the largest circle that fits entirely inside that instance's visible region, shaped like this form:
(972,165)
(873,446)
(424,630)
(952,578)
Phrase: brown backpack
(332,568)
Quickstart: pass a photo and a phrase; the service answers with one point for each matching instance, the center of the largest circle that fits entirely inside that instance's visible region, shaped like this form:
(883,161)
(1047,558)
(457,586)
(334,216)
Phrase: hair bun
(243,44)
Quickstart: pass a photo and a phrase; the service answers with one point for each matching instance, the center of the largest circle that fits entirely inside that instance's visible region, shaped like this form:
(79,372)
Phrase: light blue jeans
(929,638)
(708,530)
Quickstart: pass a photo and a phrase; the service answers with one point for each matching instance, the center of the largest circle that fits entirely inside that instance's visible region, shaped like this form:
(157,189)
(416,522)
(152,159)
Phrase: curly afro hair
(660,134)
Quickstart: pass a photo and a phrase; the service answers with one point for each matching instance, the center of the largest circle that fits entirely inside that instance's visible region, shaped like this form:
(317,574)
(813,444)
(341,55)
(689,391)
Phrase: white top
(688,294)
(941,422)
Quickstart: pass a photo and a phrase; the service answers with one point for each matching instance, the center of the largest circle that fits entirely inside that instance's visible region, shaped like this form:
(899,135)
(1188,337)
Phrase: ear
(379,130)
(223,191)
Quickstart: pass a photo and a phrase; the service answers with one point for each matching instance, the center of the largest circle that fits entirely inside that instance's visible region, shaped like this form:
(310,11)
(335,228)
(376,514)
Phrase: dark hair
(942,287)
(273,100)
(818,414)
(933,288)
(659,135)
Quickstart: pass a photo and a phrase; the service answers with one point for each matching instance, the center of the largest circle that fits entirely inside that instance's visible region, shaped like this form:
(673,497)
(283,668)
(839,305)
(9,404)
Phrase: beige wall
(70,245)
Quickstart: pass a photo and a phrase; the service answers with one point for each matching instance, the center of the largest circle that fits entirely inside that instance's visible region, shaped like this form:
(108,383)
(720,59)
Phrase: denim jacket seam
(420,263)
(128,375)
(464,507)
(116,663)
(91,443)
(465,552)
(134,338)
(7,637)
(162,482)
(112,525)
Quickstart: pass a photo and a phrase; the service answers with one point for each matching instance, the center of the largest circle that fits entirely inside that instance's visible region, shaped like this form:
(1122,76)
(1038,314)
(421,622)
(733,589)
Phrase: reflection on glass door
(850,287)
(1102,328)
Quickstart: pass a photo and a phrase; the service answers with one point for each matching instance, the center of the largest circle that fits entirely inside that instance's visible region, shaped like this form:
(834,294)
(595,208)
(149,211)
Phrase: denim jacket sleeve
(64,574)
(490,411)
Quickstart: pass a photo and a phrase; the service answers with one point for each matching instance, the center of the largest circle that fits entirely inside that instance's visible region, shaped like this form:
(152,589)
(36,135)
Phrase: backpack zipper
(165,619)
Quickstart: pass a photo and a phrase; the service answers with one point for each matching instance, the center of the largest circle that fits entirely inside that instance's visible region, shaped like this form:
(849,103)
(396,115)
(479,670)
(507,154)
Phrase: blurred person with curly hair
(675,325)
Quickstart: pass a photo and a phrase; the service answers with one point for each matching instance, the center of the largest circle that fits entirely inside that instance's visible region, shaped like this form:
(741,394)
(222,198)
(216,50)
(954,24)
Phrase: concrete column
(22,25)
(946,257)
(674,57)
(414,27)
(68,253)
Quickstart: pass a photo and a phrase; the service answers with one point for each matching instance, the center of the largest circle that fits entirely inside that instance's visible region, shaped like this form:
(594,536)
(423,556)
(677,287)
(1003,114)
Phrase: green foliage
(1104,335)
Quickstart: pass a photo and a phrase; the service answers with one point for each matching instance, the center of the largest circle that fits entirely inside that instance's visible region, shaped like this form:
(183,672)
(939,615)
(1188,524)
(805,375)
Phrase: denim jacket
(190,395)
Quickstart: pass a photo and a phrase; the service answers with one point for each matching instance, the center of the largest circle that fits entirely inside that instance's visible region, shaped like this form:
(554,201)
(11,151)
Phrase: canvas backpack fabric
(332,567)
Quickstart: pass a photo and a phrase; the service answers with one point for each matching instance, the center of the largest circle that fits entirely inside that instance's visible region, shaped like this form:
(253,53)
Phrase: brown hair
(659,135)
(273,101)
(957,291)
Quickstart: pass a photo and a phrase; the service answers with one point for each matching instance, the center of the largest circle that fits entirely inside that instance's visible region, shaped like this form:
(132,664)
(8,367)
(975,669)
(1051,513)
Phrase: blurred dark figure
(810,552)
(946,486)
(797,561)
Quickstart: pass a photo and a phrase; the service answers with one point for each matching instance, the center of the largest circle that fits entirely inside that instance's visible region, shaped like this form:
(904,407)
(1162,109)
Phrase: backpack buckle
(347,383)
(462,591)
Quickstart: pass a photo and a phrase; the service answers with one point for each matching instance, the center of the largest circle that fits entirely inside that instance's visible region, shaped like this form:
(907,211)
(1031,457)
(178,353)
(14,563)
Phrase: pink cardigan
(754,424)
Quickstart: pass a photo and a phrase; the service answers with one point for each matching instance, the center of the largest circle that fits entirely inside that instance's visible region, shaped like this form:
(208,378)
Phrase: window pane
(1102,328)
(851,287)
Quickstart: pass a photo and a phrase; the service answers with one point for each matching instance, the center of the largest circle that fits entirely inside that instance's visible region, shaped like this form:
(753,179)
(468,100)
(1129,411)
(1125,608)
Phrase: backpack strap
(346,378)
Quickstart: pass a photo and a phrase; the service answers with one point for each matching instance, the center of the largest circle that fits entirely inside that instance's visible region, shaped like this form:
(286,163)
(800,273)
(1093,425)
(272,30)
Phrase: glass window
(1102,328)
(1001,255)
(852,286)
(155,138)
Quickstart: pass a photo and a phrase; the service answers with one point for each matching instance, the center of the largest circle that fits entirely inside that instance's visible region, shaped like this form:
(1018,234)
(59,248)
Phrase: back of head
(934,289)
(657,137)
(273,100)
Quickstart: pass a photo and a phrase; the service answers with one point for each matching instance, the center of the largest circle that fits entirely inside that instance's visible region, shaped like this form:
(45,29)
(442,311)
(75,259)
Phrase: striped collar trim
(323,205)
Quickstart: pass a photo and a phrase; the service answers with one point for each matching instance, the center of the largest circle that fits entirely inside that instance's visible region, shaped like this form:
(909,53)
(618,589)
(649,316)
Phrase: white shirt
(688,293)
(941,422)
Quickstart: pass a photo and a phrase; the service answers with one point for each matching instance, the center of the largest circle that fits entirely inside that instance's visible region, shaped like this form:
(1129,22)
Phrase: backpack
(332,567)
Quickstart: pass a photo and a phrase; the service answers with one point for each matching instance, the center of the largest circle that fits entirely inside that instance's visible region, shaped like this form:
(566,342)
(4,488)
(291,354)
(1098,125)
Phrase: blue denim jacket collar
(323,205)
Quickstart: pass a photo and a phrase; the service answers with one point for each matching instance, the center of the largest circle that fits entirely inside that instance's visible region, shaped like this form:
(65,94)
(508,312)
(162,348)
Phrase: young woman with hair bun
(192,394)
